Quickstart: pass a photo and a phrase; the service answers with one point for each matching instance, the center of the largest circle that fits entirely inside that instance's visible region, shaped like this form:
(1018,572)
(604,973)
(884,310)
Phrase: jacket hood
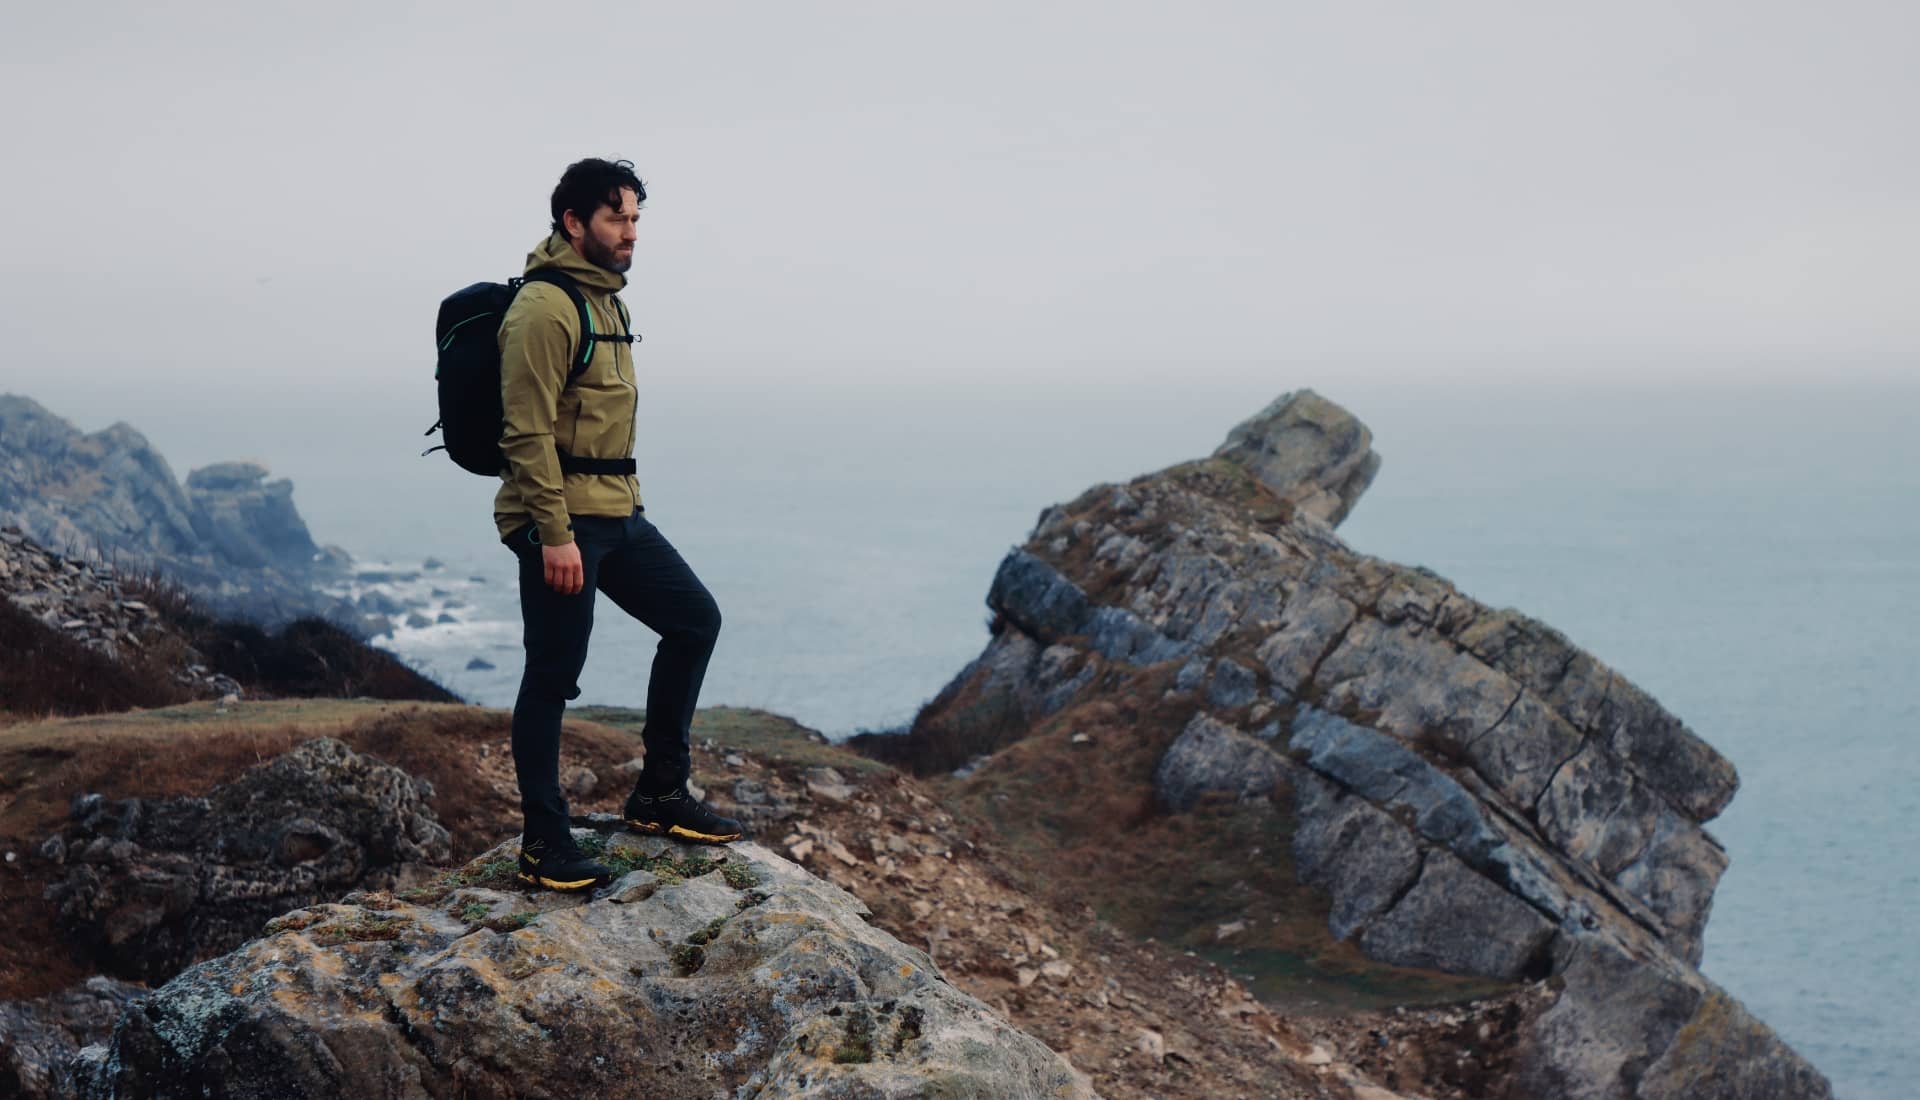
(557,252)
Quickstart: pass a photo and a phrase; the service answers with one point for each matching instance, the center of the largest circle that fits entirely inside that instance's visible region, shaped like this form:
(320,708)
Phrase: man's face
(607,239)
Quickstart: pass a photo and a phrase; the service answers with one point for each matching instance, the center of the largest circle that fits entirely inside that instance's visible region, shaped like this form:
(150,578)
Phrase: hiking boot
(676,813)
(560,866)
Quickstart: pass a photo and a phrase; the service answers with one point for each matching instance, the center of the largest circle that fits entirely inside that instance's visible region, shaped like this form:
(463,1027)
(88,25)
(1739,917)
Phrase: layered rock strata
(1474,792)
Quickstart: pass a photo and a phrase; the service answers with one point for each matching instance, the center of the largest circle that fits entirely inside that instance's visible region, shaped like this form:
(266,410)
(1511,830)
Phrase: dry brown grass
(1083,820)
(44,672)
(44,764)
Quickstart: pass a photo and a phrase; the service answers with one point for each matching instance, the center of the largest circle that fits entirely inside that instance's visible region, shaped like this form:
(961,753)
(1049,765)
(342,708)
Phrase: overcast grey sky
(908,192)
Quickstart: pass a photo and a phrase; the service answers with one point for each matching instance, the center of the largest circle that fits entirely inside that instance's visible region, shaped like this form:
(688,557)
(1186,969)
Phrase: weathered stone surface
(1723,1053)
(1309,451)
(1350,848)
(152,885)
(1210,755)
(1121,635)
(1386,772)
(1312,622)
(249,520)
(1630,1026)
(1683,768)
(1638,734)
(1233,685)
(1676,875)
(1425,690)
(749,978)
(1597,812)
(1424,927)
(39,1037)
(1035,596)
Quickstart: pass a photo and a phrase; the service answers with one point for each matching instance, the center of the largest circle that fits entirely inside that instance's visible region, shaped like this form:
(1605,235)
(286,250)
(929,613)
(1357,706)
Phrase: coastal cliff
(1469,790)
(1225,808)
(229,534)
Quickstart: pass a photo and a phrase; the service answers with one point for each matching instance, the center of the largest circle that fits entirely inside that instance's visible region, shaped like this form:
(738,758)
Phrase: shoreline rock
(1475,793)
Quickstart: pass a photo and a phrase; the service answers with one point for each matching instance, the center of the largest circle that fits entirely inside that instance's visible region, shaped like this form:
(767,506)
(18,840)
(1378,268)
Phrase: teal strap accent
(456,328)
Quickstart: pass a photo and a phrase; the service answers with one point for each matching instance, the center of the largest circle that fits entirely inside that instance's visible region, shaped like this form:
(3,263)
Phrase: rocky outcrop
(1474,792)
(42,1035)
(229,535)
(1212,756)
(698,972)
(1309,452)
(247,519)
(148,886)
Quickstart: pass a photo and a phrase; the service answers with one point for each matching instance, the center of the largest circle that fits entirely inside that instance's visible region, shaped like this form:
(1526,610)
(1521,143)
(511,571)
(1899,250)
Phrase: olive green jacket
(591,418)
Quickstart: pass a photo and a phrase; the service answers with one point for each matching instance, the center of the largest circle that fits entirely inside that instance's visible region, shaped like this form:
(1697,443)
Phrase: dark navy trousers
(627,558)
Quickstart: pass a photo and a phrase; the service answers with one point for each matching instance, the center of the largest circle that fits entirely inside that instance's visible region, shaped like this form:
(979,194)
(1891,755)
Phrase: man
(578,528)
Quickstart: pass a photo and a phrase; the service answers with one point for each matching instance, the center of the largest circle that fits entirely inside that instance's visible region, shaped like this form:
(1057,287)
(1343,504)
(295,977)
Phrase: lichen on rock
(744,976)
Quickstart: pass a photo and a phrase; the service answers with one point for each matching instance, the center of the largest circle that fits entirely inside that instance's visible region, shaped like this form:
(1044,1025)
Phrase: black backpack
(468,372)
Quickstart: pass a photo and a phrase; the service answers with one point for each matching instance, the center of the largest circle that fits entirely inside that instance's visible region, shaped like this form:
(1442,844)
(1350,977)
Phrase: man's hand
(565,574)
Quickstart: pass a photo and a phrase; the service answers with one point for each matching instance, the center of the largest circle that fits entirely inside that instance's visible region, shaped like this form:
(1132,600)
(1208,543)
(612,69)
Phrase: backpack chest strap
(589,337)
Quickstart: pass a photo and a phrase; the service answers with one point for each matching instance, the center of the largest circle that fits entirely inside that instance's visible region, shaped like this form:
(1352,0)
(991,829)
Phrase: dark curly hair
(589,184)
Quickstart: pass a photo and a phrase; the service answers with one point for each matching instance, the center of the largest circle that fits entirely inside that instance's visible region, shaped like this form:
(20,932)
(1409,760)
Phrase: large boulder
(148,886)
(1473,792)
(1211,756)
(1310,452)
(698,972)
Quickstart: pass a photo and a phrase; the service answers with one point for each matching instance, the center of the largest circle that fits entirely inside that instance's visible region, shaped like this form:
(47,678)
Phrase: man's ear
(576,228)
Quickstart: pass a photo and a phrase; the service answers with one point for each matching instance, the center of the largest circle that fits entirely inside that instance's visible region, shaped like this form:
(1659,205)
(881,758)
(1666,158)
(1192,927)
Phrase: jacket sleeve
(536,346)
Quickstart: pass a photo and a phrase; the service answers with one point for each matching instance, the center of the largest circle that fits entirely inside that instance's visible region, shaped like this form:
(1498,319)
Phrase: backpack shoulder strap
(587,336)
(626,323)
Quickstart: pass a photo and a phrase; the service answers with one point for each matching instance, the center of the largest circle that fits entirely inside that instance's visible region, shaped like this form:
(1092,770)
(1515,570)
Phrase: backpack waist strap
(572,465)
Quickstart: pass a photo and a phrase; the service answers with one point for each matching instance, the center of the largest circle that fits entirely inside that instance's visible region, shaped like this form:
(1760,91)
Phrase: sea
(1745,546)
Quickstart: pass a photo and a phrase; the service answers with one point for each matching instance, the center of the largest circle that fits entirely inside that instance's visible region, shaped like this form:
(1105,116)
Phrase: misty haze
(1621,300)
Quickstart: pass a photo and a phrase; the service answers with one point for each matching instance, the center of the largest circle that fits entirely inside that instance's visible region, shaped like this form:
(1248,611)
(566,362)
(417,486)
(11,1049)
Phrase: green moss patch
(509,922)
(361,927)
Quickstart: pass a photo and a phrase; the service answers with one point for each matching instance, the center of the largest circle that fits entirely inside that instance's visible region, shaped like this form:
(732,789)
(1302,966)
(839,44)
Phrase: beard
(601,255)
